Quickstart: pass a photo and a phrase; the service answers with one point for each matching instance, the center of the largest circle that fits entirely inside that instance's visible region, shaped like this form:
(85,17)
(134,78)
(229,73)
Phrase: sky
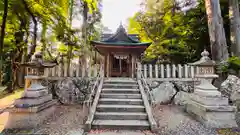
(116,11)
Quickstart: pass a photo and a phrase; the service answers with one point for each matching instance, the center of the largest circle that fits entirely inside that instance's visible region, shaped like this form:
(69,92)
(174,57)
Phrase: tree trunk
(234,27)
(84,35)
(219,48)
(34,43)
(43,37)
(3,26)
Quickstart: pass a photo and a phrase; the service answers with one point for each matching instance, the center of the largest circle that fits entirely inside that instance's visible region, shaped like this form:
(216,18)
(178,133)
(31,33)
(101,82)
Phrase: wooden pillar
(133,67)
(120,66)
(108,64)
(105,66)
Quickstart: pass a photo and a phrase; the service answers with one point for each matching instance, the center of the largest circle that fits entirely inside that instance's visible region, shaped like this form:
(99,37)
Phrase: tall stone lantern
(207,104)
(36,102)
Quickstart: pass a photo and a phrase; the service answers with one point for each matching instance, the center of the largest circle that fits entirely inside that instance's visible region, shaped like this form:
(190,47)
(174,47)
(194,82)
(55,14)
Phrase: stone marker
(35,104)
(206,103)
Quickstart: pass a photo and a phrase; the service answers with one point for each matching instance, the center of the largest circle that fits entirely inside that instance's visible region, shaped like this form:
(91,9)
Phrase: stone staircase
(120,106)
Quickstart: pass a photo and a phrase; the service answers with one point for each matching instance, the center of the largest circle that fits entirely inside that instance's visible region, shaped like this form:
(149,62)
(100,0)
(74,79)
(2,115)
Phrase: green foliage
(230,66)
(51,18)
(234,63)
(176,36)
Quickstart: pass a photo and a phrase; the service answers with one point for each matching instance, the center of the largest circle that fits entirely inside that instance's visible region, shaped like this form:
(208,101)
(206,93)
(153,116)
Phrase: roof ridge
(120,30)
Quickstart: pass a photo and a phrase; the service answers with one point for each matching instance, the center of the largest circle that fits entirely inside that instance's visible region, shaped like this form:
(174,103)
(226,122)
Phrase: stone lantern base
(211,109)
(20,118)
(32,108)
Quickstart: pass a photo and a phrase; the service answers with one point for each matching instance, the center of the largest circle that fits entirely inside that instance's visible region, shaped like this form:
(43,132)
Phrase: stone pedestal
(206,103)
(33,107)
(211,109)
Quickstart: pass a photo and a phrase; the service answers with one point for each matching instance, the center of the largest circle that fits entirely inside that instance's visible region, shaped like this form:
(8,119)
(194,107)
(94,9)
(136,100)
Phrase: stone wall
(70,90)
(229,88)
(173,92)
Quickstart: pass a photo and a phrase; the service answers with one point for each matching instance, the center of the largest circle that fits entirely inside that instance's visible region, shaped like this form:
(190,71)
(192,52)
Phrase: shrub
(229,66)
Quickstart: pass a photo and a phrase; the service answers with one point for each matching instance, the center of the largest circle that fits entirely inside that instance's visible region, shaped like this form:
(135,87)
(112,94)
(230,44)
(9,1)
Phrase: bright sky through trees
(115,11)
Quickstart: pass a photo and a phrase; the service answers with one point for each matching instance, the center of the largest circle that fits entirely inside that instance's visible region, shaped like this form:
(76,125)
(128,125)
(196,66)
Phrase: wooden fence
(168,71)
(74,70)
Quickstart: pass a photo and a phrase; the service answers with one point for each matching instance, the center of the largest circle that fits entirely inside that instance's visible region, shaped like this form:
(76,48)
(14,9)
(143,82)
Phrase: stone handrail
(93,107)
(88,102)
(147,105)
(147,89)
(94,96)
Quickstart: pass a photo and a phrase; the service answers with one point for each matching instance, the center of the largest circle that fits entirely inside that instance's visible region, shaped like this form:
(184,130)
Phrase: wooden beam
(118,46)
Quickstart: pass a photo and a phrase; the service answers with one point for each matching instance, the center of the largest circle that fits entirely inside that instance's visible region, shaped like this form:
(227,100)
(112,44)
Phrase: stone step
(120,96)
(121,124)
(121,116)
(120,82)
(121,85)
(129,91)
(120,108)
(120,101)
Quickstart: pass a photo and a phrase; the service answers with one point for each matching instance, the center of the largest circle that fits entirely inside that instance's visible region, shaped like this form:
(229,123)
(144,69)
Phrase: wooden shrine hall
(121,52)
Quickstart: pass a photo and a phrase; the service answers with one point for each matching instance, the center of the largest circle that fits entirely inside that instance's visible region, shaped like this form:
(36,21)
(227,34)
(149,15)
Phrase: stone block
(18,120)
(210,101)
(238,105)
(34,77)
(235,96)
(34,109)
(28,102)
(35,94)
(205,85)
(208,93)
(35,87)
(219,118)
(216,108)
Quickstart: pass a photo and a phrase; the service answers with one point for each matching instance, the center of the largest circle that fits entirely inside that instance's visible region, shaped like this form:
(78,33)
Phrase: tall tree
(235,26)
(219,48)
(3,26)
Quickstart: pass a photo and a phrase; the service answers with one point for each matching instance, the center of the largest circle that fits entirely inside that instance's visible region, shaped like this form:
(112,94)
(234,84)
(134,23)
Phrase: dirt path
(5,102)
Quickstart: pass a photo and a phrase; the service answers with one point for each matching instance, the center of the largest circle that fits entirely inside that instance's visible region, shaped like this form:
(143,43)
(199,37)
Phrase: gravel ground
(173,120)
(119,132)
(67,120)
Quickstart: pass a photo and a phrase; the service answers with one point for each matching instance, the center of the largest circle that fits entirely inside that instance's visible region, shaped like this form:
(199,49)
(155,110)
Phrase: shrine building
(121,52)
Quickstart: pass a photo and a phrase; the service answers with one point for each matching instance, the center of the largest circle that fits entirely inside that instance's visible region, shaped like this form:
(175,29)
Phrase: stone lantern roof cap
(37,62)
(205,60)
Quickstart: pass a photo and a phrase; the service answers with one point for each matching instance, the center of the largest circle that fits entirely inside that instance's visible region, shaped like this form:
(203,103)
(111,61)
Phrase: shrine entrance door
(120,66)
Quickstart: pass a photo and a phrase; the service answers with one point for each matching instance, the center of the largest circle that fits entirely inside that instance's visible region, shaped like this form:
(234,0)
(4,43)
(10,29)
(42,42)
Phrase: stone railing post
(207,103)
(139,70)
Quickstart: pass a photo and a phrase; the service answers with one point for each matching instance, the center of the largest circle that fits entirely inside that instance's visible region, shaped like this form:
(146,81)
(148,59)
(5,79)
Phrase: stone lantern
(205,75)
(206,103)
(36,102)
